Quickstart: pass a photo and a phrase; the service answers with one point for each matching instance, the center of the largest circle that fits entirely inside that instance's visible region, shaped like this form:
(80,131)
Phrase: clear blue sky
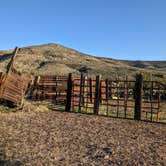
(123,29)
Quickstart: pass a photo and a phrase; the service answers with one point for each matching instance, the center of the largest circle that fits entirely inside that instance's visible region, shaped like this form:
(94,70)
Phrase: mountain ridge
(56,59)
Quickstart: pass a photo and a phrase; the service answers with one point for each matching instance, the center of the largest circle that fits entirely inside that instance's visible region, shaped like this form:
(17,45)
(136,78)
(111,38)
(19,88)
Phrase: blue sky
(123,29)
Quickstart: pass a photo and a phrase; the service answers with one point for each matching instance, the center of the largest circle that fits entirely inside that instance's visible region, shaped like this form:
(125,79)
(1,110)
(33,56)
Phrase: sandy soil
(59,138)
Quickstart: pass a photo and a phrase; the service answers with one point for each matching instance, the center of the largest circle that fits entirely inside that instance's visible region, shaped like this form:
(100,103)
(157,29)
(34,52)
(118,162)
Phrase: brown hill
(53,59)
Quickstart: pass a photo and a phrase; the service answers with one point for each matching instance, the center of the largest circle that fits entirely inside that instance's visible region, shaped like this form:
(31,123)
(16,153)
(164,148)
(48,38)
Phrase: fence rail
(131,99)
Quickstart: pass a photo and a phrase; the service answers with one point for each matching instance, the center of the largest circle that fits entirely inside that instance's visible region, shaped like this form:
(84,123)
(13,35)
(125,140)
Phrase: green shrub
(6,109)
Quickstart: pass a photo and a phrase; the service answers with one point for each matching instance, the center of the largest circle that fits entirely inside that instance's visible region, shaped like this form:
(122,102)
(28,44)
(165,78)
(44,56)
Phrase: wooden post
(10,64)
(106,90)
(107,93)
(37,88)
(158,101)
(81,93)
(138,96)
(126,94)
(100,92)
(69,93)
(90,89)
(97,95)
(83,90)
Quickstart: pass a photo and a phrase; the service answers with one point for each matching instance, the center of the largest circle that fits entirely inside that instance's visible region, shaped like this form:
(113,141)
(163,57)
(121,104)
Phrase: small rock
(106,157)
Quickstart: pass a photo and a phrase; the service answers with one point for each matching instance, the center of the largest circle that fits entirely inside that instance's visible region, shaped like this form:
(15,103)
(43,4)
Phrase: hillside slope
(53,59)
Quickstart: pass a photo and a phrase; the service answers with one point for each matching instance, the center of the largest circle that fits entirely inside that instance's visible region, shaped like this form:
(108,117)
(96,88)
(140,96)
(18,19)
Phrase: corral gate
(131,99)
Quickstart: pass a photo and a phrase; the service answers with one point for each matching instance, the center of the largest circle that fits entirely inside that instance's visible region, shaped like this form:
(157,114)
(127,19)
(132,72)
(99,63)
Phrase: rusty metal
(49,88)
(1,77)
(117,98)
(12,85)
(151,102)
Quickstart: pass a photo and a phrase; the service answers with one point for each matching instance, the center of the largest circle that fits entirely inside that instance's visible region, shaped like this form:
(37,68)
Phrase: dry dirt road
(59,138)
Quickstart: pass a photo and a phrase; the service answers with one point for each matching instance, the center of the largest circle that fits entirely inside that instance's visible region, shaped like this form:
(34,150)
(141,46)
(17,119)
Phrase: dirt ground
(59,138)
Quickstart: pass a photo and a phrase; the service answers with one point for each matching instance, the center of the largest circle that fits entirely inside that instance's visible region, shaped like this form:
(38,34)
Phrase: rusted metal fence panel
(1,77)
(83,97)
(51,89)
(151,100)
(12,88)
(12,85)
(117,98)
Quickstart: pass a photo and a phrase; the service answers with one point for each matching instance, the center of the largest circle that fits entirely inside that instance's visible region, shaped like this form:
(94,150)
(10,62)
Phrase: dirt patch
(59,138)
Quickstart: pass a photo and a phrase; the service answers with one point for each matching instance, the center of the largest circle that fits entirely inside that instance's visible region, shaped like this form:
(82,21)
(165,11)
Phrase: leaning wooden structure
(12,85)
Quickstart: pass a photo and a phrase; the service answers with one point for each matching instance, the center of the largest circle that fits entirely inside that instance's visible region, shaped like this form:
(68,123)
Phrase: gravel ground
(59,138)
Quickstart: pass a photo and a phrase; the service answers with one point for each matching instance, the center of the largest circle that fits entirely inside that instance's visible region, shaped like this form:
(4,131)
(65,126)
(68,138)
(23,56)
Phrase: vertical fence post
(81,92)
(90,89)
(69,93)
(106,90)
(97,95)
(100,92)
(138,96)
(37,88)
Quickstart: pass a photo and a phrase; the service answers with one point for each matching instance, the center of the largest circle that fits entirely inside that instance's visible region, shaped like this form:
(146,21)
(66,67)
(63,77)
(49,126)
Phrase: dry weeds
(59,138)
(43,60)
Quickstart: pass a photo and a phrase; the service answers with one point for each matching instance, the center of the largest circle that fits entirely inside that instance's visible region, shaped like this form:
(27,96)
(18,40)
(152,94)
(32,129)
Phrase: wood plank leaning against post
(69,93)
(97,95)
(10,65)
(138,96)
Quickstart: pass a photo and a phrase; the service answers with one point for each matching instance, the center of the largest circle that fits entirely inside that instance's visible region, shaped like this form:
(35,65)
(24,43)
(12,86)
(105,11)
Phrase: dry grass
(43,59)
(59,138)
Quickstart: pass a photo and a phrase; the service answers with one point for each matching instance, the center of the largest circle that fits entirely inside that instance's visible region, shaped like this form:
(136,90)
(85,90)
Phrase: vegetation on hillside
(53,59)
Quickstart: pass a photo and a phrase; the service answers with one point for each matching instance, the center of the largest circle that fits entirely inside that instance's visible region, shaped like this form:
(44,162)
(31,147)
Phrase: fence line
(133,99)
(117,98)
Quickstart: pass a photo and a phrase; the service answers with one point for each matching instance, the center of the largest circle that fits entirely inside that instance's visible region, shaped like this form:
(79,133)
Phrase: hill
(54,59)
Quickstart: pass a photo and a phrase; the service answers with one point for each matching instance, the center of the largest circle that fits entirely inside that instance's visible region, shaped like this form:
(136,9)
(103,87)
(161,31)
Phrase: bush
(6,109)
